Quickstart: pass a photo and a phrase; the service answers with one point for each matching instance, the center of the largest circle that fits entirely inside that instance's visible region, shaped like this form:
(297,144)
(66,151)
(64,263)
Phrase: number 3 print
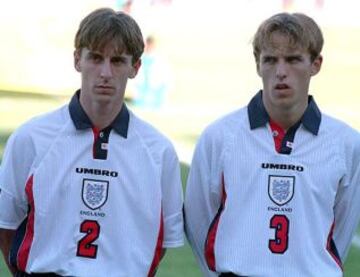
(281,225)
(85,247)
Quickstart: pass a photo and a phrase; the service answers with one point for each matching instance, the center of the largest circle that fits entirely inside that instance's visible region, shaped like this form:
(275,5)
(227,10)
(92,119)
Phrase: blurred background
(198,65)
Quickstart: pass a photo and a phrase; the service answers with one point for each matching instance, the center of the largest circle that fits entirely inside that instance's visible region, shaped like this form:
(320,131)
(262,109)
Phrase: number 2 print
(86,248)
(281,225)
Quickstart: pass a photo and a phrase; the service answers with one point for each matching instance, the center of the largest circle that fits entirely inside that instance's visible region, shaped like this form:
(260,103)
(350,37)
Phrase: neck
(101,114)
(286,118)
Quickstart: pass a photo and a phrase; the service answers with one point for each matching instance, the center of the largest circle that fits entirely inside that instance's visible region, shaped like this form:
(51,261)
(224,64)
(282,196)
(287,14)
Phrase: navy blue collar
(258,116)
(82,121)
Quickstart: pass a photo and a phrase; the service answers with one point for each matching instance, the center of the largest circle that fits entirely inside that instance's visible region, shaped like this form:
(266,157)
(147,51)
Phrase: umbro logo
(282,166)
(95,171)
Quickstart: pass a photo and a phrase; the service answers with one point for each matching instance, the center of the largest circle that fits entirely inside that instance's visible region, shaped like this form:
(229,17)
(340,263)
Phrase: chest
(69,177)
(309,174)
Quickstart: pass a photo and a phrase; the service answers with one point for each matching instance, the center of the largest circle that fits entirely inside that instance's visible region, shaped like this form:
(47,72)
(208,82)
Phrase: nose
(281,70)
(106,70)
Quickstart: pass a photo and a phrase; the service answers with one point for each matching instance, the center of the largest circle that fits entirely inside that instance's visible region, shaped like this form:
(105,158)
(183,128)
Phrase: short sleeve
(14,172)
(172,200)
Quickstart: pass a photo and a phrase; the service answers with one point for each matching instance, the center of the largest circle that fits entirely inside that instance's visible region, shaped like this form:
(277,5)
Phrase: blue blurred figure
(153,80)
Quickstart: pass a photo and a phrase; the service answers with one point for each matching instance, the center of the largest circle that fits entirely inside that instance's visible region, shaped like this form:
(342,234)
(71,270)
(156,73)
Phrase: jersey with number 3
(255,211)
(87,202)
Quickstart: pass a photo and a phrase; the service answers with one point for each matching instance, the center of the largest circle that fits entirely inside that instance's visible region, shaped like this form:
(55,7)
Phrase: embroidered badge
(281,189)
(94,193)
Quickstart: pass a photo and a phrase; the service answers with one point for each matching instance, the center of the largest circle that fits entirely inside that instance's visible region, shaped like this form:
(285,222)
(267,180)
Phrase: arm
(172,200)
(201,200)
(13,207)
(347,202)
(172,228)
(6,237)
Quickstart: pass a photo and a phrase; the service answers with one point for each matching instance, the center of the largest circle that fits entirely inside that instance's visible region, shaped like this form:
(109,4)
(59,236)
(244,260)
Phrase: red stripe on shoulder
(24,250)
(211,237)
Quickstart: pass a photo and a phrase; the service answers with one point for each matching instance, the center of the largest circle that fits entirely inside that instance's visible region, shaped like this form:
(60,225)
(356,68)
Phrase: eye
(118,60)
(294,59)
(268,60)
(96,58)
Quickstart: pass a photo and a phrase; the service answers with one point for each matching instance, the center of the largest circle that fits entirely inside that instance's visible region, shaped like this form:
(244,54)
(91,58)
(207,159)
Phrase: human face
(286,72)
(104,75)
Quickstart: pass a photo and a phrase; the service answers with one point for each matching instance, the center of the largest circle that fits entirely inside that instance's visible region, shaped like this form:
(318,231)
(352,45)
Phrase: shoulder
(216,141)
(338,129)
(345,137)
(151,138)
(27,145)
(225,127)
(38,131)
(50,122)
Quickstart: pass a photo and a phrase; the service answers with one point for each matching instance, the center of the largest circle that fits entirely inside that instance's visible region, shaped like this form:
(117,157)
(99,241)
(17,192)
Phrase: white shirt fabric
(77,215)
(270,213)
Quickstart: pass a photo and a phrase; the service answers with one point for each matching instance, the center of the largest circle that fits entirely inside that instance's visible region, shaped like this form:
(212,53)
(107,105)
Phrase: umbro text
(95,171)
(282,166)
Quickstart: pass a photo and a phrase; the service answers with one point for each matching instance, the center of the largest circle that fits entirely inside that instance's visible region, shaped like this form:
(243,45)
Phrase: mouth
(104,88)
(281,86)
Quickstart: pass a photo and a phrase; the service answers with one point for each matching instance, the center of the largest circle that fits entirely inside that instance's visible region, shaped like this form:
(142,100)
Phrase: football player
(274,187)
(90,189)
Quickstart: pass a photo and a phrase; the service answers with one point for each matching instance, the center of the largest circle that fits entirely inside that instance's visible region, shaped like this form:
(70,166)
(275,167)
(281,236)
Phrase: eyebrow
(268,56)
(285,56)
(94,53)
(294,56)
(99,53)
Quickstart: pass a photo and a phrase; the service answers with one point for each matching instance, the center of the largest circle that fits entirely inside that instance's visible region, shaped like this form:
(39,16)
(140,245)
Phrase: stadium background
(208,46)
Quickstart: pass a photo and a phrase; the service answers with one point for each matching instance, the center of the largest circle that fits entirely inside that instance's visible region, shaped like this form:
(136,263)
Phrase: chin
(283,93)
(103,98)
(285,104)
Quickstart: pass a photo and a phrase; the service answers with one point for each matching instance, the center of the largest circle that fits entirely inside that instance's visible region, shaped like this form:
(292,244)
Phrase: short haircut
(301,30)
(104,26)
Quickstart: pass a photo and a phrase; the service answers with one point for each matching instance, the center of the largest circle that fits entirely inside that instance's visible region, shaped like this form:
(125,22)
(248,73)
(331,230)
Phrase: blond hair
(301,30)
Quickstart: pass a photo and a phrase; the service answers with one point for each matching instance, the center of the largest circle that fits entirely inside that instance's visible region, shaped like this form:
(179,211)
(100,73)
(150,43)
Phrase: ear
(77,56)
(316,65)
(135,68)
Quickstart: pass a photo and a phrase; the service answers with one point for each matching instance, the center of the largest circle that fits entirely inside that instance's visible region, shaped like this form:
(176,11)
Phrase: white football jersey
(253,211)
(86,202)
